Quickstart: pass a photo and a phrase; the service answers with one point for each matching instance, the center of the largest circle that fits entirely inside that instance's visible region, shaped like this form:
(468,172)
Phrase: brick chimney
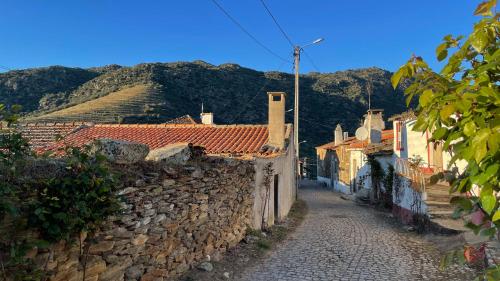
(207,118)
(276,124)
(338,137)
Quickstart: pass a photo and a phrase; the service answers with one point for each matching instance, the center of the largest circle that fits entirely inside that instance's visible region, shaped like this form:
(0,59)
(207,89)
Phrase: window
(277,98)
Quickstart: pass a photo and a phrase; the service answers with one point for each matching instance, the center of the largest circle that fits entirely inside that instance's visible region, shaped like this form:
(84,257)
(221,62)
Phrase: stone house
(341,164)
(269,146)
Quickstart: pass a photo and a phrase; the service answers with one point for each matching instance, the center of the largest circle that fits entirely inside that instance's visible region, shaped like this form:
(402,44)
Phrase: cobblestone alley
(340,240)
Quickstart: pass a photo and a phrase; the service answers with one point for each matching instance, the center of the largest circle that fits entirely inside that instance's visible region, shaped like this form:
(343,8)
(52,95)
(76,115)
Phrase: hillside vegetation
(156,92)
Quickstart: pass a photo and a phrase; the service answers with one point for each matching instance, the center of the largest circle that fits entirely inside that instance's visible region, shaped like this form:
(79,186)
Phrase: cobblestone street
(340,240)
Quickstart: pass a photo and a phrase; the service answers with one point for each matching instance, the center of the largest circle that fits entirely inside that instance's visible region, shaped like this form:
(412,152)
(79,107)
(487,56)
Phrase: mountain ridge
(234,93)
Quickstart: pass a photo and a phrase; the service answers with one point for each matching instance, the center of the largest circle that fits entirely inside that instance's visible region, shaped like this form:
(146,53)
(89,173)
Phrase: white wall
(407,198)
(283,166)
(364,174)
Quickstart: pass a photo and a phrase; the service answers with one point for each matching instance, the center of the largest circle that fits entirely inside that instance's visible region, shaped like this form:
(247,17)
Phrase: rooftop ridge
(164,125)
(48,124)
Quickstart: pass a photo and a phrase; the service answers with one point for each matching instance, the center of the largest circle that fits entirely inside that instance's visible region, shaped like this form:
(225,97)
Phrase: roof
(41,135)
(407,115)
(386,135)
(216,139)
(185,119)
(353,143)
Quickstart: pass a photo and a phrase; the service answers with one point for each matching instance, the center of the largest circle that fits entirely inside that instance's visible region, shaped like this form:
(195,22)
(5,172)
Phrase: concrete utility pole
(296,55)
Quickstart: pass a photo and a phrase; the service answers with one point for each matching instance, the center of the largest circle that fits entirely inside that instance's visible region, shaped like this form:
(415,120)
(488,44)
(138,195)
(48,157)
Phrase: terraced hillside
(116,107)
(157,92)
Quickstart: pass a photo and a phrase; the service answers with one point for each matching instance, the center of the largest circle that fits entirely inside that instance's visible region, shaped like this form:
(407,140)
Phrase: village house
(269,146)
(342,164)
(416,161)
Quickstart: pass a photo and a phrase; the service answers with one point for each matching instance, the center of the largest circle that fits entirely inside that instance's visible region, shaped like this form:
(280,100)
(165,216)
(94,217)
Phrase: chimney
(374,124)
(276,121)
(207,118)
(346,135)
(338,137)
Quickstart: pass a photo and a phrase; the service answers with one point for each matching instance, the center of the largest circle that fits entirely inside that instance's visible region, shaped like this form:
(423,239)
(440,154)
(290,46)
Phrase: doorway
(276,198)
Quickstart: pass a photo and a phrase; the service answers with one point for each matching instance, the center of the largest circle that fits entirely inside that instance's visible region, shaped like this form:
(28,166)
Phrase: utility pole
(296,55)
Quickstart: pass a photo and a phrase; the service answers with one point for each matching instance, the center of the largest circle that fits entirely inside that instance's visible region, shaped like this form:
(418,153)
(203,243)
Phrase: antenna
(369,90)
(361,133)
(202,107)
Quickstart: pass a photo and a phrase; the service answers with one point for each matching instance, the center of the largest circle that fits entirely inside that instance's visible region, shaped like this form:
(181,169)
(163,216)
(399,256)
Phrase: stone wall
(173,217)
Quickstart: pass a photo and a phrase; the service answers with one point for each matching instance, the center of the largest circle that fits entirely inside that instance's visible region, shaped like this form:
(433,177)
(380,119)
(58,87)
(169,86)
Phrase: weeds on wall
(36,213)
(266,182)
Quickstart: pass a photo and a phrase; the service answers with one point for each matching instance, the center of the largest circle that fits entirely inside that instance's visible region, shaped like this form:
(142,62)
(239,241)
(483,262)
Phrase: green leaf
(470,129)
(447,111)
(484,9)
(463,202)
(480,152)
(442,51)
(488,203)
(479,40)
(496,216)
(396,77)
(439,133)
(425,98)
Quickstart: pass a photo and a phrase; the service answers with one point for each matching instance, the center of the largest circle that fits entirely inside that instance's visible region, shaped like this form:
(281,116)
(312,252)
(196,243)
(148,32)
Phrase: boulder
(177,153)
(121,152)
(363,194)
(206,266)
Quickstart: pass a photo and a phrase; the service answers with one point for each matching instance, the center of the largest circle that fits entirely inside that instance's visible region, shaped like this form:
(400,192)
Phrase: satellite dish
(361,133)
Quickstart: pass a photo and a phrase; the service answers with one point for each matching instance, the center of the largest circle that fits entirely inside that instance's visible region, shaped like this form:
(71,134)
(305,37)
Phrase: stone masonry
(172,218)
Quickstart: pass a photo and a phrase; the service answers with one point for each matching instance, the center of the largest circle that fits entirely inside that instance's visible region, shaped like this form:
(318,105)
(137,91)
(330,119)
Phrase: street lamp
(296,54)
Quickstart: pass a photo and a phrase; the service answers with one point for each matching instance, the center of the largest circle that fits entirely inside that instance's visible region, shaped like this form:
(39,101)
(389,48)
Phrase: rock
(197,174)
(134,272)
(363,194)
(140,240)
(95,266)
(127,190)
(168,182)
(102,246)
(206,266)
(121,152)
(178,153)
(250,239)
(226,275)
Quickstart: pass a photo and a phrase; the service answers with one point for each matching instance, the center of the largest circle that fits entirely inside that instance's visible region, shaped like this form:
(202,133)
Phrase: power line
(277,24)
(256,94)
(310,60)
(248,33)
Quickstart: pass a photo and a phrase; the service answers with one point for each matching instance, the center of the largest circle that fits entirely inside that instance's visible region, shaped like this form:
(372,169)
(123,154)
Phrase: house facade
(269,146)
(342,164)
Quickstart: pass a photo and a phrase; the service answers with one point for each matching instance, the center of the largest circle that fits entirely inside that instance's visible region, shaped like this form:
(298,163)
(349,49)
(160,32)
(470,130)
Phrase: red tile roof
(185,119)
(352,142)
(42,134)
(386,135)
(217,139)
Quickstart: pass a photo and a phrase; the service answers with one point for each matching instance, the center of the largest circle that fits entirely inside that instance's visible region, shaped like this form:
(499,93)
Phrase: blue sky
(84,33)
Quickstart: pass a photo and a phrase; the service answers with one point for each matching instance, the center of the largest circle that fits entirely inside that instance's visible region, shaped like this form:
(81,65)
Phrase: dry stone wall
(173,217)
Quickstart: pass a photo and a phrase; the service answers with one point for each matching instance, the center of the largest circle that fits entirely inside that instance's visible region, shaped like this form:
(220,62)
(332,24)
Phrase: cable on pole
(277,24)
(247,32)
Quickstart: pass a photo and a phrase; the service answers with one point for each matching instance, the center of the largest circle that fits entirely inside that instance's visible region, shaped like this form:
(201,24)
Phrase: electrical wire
(311,60)
(256,94)
(277,24)
(248,33)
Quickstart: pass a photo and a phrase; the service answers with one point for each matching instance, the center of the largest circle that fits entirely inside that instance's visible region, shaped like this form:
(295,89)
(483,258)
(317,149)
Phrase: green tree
(460,105)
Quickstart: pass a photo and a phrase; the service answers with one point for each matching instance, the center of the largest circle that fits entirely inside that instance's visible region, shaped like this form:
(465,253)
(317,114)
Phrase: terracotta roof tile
(185,119)
(217,139)
(43,134)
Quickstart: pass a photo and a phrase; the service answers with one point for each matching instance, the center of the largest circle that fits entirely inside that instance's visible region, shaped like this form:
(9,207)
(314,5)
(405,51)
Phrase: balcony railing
(408,170)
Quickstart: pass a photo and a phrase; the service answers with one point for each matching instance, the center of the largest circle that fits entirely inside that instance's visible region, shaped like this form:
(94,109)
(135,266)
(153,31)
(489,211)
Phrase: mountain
(157,92)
